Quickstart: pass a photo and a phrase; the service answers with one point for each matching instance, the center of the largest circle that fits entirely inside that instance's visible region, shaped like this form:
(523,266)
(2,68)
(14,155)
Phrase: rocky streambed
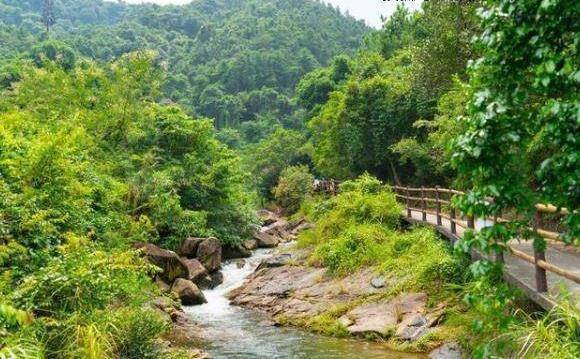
(358,305)
(249,307)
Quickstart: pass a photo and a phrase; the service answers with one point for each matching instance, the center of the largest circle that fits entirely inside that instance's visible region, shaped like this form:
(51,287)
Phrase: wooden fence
(437,202)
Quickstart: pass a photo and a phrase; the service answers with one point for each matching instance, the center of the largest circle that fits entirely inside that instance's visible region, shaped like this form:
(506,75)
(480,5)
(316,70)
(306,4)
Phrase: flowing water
(232,332)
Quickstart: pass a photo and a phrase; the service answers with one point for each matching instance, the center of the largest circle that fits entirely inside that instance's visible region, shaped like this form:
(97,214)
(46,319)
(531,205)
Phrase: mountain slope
(232,60)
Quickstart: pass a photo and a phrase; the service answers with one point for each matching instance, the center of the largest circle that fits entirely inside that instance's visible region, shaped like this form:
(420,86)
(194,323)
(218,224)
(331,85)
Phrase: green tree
(519,146)
(372,111)
(294,186)
(269,158)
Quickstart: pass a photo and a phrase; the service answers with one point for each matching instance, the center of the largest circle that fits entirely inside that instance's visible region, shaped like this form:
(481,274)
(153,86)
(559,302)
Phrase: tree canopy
(231,61)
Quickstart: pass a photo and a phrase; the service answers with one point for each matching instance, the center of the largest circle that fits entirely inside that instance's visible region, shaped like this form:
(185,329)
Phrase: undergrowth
(360,227)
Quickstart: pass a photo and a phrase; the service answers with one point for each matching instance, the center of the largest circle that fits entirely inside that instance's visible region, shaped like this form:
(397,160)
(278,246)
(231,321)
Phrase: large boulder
(250,244)
(209,253)
(196,271)
(267,217)
(168,261)
(265,240)
(163,287)
(211,280)
(188,292)
(235,251)
(274,262)
(401,316)
(189,247)
(294,223)
(278,231)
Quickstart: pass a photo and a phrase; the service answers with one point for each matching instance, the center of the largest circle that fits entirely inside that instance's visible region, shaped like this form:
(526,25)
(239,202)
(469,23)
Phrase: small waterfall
(234,275)
(237,333)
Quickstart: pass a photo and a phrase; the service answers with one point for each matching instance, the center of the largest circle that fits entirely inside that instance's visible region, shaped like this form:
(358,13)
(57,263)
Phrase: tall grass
(555,334)
(361,227)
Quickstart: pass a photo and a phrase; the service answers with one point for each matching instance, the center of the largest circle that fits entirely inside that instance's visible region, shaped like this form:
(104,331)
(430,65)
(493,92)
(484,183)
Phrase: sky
(369,10)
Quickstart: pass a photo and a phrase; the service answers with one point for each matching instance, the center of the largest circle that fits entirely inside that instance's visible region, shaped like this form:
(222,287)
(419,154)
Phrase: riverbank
(229,331)
(359,271)
(356,272)
(373,283)
(361,305)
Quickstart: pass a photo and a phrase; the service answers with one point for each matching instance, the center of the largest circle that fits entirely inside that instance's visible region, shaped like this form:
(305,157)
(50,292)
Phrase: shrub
(354,247)
(294,185)
(362,201)
(360,227)
(135,333)
(84,279)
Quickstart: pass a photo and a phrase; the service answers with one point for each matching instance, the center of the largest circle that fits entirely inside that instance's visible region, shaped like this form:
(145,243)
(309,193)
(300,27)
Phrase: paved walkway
(522,273)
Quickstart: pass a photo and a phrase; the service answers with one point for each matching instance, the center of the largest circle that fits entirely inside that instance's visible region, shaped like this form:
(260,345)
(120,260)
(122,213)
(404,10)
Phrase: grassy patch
(360,228)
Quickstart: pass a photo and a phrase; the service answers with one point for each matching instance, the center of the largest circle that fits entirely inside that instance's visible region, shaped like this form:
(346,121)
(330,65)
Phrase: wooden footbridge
(542,275)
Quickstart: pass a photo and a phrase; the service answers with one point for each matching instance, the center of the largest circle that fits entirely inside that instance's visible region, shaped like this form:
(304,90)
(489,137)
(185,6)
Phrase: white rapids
(237,333)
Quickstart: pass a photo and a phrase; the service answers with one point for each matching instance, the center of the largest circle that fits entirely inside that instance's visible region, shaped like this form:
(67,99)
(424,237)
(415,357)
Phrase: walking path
(519,272)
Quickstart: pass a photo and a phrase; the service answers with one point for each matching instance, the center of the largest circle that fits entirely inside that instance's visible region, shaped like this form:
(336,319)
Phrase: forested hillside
(375,112)
(153,156)
(233,61)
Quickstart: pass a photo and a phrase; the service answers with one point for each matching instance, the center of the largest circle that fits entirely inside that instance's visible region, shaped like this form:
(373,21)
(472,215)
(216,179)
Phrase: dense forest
(233,61)
(124,124)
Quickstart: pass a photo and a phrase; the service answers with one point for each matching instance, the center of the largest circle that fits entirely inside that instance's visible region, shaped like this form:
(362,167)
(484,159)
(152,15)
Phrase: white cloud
(371,10)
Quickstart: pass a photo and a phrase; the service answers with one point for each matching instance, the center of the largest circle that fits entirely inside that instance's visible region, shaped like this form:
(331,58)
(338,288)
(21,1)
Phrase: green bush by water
(361,226)
(89,163)
(294,186)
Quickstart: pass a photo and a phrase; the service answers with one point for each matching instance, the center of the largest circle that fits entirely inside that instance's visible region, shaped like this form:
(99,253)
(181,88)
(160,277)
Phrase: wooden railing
(438,202)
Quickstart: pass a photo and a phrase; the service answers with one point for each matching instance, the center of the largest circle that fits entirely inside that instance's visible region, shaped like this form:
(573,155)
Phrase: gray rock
(412,328)
(165,304)
(170,263)
(211,281)
(277,261)
(235,251)
(292,224)
(383,318)
(267,217)
(250,244)
(179,317)
(196,271)
(164,287)
(189,247)
(278,230)
(450,350)
(209,253)
(378,282)
(188,292)
(265,240)
(345,321)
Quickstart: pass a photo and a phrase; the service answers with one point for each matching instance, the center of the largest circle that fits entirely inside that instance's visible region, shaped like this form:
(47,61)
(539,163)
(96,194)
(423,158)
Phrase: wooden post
(409,215)
(438,199)
(453,215)
(471,225)
(471,222)
(541,279)
(499,258)
(423,205)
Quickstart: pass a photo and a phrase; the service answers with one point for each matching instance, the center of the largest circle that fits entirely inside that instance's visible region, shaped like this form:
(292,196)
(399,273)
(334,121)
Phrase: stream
(233,332)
